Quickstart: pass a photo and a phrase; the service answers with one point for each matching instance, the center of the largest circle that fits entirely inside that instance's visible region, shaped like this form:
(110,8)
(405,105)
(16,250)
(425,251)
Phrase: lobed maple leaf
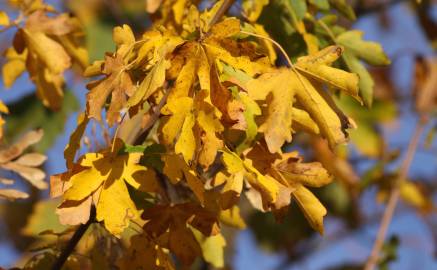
(170,224)
(45,46)
(100,179)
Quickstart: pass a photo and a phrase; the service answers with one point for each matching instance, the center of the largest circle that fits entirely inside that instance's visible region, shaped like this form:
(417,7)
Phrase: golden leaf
(106,175)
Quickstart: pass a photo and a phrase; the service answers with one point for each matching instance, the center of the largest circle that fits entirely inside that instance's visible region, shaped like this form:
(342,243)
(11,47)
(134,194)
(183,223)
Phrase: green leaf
(321,4)
(151,154)
(371,52)
(299,7)
(366,83)
(43,218)
(99,39)
(344,8)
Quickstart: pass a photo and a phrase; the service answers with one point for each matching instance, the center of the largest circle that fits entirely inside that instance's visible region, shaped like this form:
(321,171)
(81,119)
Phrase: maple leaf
(46,47)
(317,66)
(74,141)
(371,52)
(267,187)
(279,96)
(176,169)
(212,248)
(173,220)
(117,71)
(102,177)
(295,175)
(252,9)
(13,159)
(299,175)
(145,253)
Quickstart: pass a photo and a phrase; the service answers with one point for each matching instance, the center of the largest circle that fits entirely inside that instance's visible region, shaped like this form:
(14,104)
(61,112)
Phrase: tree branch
(394,196)
(71,245)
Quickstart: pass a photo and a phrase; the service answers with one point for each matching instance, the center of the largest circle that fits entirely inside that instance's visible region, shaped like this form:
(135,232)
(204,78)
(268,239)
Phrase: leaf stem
(394,195)
(74,240)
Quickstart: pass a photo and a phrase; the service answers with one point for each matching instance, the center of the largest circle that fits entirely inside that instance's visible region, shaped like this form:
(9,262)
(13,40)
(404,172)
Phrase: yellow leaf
(185,80)
(14,67)
(312,42)
(203,72)
(186,143)
(226,28)
(175,168)
(412,195)
(303,121)
(195,184)
(230,194)
(212,248)
(232,217)
(311,207)
(74,141)
(3,108)
(253,8)
(238,62)
(15,150)
(115,207)
(118,82)
(48,85)
(277,126)
(4,18)
(332,126)
(123,35)
(154,80)
(309,174)
(267,45)
(51,53)
(317,66)
(367,140)
(178,110)
(232,162)
(265,184)
(104,175)
(179,9)
(87,181)
(209,126)
(77,52)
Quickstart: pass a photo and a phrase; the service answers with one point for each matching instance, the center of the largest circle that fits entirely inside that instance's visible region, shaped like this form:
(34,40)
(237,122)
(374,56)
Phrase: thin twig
(222,10)
(15,23)
(394,195)
(71,245)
